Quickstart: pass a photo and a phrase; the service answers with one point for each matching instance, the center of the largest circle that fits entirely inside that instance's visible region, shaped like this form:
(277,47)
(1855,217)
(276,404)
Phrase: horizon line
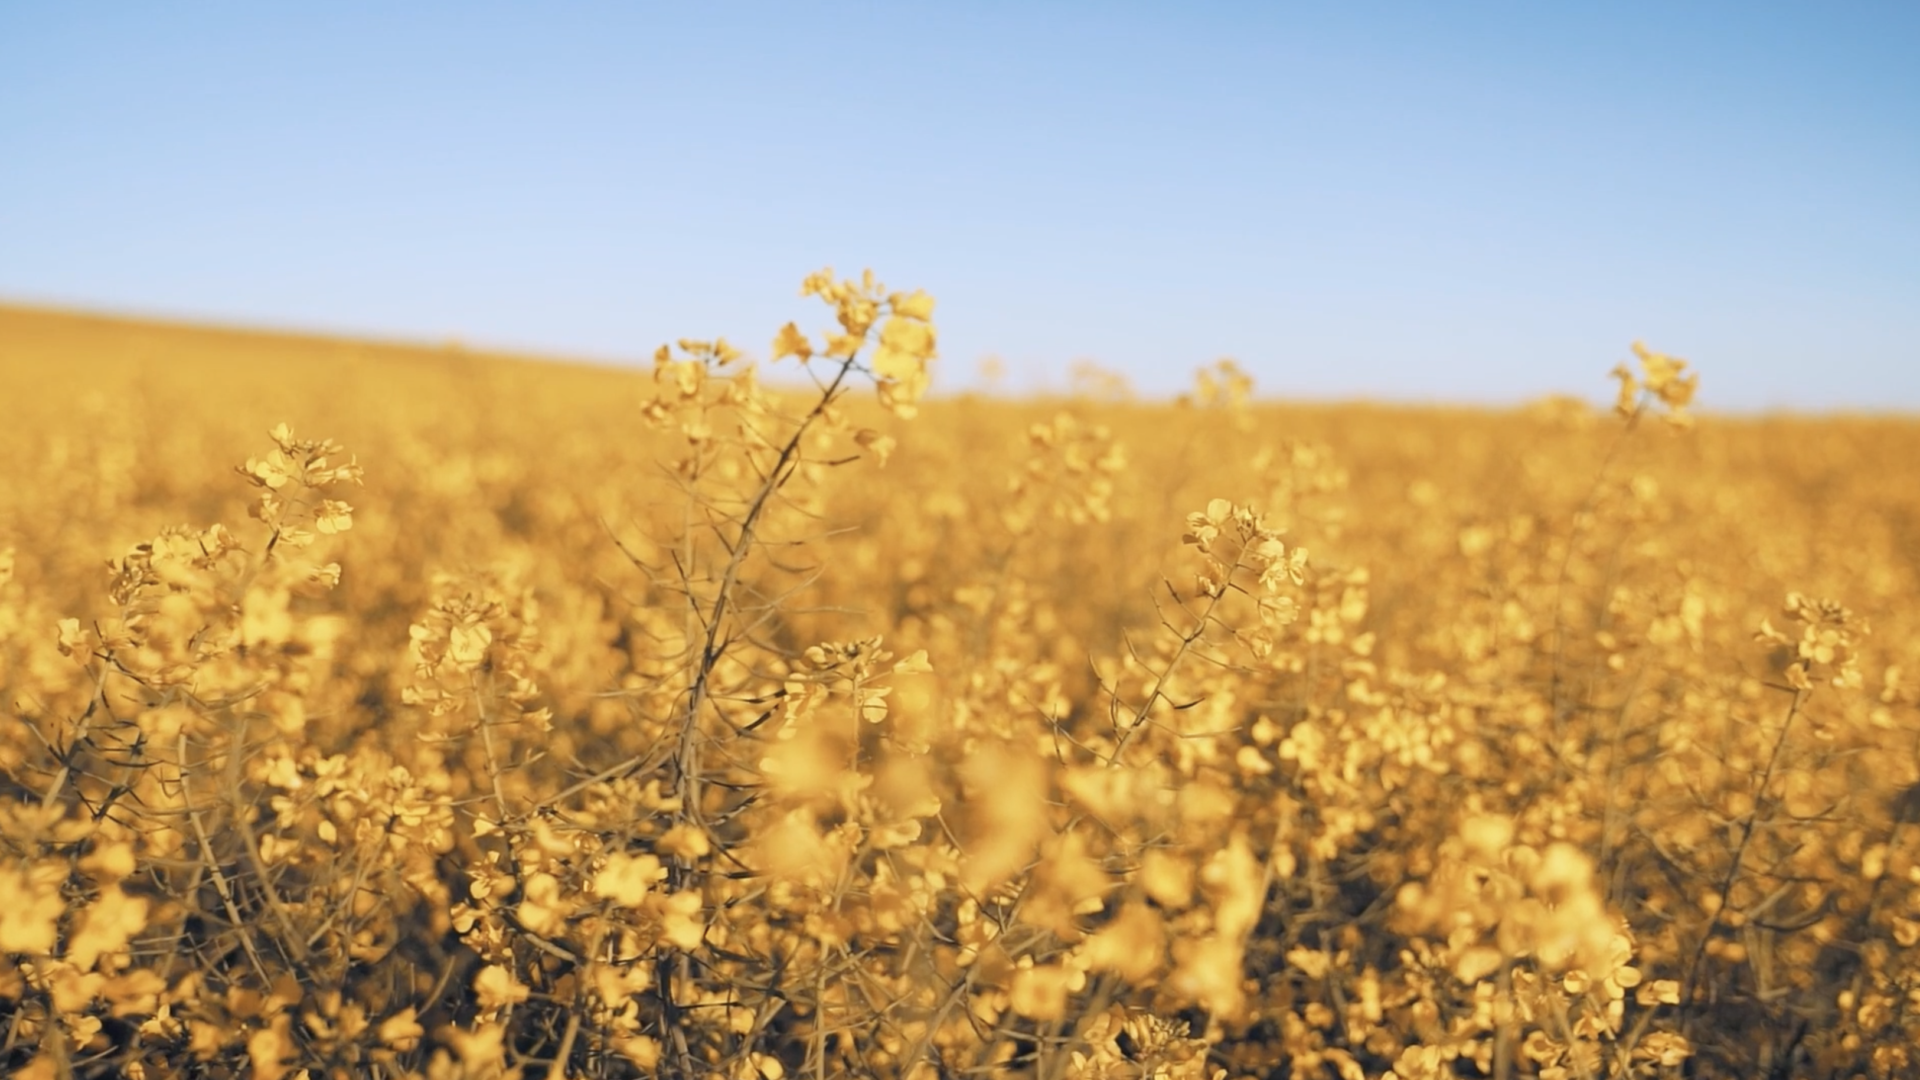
(1043,391)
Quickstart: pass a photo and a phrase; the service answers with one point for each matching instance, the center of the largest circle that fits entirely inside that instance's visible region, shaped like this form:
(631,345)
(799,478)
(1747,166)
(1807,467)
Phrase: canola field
(374,711)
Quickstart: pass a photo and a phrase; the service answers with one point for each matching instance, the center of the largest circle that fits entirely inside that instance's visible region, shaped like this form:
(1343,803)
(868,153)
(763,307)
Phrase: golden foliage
(634,723)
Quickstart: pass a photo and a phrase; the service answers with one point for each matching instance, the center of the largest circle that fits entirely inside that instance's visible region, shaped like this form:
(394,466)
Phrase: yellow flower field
(403,712)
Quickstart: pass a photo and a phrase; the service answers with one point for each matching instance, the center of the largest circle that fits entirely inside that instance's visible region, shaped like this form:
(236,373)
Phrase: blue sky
(1446,202)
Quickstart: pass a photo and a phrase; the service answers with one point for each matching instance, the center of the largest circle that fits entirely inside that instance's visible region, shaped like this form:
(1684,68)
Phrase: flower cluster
(1661,379)
(700,746)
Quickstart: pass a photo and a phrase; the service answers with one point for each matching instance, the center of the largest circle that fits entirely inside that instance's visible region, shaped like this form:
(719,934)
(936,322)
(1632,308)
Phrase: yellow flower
(791,342)
(496,988)
(30,908)
(109,923)
(626,879)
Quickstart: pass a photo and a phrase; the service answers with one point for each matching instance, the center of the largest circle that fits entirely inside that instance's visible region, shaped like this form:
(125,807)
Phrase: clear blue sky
(1415,201)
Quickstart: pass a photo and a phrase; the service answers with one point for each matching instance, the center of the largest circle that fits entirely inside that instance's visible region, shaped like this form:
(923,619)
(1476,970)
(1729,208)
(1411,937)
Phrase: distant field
(602,722)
